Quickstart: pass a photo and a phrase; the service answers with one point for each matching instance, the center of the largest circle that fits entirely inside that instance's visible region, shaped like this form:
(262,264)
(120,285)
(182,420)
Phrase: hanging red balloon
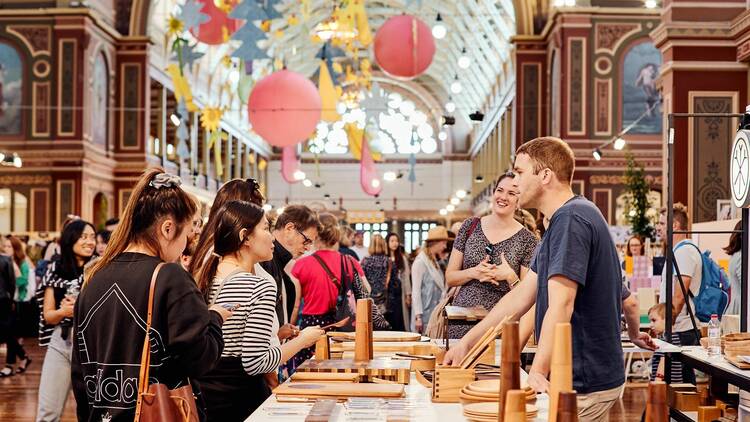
(404,47)
(284,108)
(219,26)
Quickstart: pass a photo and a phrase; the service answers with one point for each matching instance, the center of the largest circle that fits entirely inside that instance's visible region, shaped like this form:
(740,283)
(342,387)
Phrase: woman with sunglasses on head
(490,254)
(56,295)
(236,387)
(137,272)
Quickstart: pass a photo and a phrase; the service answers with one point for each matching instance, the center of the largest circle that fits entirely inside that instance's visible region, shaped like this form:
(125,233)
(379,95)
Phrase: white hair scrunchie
(165,180)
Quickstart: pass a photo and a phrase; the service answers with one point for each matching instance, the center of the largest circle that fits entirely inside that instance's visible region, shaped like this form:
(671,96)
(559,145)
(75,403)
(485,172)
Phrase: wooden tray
(736,361)
(338,390)
(386,369)
(379,336)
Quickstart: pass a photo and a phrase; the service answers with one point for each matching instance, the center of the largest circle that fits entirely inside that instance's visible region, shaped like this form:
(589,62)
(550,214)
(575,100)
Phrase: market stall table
(420,408)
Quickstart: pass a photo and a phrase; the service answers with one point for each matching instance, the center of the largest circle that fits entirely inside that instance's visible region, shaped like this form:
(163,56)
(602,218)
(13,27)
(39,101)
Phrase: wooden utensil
(338,390)
(567,406)
(510,365)
(657,409)
(514,406)
(339,324)
(363,334)
(561,368)
(470,360)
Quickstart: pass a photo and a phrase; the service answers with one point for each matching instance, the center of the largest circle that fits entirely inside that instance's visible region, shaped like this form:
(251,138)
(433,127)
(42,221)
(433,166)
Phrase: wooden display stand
(515,406)
(561,369)
(656,405)
(708,413)
(322,349)
(567,406)
(448,382)
(510,367)
(363,331)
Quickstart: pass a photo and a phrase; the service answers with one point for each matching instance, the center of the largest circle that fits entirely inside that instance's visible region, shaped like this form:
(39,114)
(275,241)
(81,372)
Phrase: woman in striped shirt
(236,387)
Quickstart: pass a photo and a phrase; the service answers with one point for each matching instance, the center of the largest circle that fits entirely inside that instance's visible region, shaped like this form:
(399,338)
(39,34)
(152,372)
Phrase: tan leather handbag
(156,402)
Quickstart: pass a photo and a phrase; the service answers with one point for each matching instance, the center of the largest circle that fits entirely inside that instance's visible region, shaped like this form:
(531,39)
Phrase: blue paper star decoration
(191,15)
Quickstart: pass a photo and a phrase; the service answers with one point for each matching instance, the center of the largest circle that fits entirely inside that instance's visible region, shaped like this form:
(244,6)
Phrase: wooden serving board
(379,336)
(338,390)
(411,347)
(387,369)
(736,361)
(323,376)
(458,313)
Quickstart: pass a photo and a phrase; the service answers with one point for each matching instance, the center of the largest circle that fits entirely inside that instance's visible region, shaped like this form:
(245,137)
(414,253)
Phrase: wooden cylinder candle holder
(657,409)
(561,369)
(510,364)
(515,407)
(567,406)
(363,350)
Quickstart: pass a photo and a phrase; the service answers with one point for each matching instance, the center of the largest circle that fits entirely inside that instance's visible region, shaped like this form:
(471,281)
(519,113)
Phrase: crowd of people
(230,308)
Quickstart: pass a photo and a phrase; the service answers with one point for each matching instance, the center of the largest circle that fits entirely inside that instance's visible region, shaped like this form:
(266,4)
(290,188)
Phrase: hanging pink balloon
(284,108)
(368,175)
(404,47)
(289,164)
(219,26)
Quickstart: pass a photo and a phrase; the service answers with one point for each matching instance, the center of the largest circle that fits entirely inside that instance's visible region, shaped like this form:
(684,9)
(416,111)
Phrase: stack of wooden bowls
(735,344)
(488,391)
(487,412)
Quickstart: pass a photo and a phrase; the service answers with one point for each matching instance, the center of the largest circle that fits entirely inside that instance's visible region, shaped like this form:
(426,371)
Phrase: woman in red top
(319,292)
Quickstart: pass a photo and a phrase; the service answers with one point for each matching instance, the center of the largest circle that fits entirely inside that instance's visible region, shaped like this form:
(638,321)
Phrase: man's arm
(633,320)
(562,296)
(678,299)
(516,303)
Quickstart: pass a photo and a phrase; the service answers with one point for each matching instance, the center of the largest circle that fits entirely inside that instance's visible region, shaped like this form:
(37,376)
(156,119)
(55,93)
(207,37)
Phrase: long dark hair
(230,219)
(150,202)
(68,268)
(397,255)
(247,190)
(735,240)
(19,255)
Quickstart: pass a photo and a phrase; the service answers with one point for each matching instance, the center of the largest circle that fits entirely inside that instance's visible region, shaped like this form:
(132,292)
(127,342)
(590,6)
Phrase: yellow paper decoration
(305,9)
(210,118)
(262,164)
(278,64)
(182,90)
(356,136)
(265,26)
(225,5)
(227,61)
(350,77)
(328,95)
(174,26)
(364,35)
(292,20)
(337,67)
(278,34)
(214,141)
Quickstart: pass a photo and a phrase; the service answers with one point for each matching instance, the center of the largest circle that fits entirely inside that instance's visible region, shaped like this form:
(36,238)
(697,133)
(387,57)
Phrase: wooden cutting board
(323,376)
(338,389)
(389,369)
(379,336)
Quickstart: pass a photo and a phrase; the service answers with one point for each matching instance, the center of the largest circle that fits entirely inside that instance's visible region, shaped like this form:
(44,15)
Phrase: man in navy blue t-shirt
(575,277)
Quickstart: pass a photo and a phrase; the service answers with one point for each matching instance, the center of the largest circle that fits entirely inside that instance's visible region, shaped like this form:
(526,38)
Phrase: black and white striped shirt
(251,332)
(61,286)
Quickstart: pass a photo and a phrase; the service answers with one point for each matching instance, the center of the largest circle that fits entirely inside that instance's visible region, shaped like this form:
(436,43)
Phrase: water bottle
(714,336)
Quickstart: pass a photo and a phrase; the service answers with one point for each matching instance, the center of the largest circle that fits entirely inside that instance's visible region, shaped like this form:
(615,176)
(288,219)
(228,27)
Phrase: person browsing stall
(575,277)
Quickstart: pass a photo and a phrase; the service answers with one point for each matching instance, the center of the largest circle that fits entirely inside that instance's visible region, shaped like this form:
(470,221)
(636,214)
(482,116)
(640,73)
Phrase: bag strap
(328,271)
(475,222)
(145,354)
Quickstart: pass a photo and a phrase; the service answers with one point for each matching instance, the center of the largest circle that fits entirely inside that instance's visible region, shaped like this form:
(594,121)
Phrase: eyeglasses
(306,240)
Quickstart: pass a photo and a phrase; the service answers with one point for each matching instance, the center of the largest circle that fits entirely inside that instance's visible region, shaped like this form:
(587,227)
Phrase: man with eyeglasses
(294,232)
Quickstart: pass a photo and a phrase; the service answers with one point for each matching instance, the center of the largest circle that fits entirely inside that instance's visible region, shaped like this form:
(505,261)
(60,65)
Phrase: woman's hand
(538,382)
(418,323)
(483,271)
(504,272)
(224,312)
(408,301)
(288,331)
(310,335)
(66,307)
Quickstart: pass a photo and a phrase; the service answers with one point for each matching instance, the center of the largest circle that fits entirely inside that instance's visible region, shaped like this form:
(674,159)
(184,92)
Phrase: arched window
(100,102)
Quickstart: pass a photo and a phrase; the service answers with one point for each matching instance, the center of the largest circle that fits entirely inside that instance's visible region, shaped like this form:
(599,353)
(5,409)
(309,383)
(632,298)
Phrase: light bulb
(651,4)
(455,201)
(464,61)
(439,31)
(175,120)
(450,106)
(456,87)
(17,163)
(307,183)
(597,154)
(460,194)
(389,176)
(619,143)
(450,207)
(299,175)
(442,135)
(375,183)
(267,207)
(443,211)
(570,3)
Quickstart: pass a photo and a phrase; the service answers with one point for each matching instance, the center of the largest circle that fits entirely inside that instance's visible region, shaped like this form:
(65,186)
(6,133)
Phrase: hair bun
(165,180)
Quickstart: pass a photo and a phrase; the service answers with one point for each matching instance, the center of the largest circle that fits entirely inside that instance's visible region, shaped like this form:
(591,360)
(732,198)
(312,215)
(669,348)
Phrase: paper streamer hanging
(214,140)
(357,137)
(328,95)
(290,164)
(182,90)
(368,175)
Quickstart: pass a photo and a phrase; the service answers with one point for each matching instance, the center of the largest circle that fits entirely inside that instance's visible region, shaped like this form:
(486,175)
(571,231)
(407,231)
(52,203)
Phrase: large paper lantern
(404,46)
(219,26)
(284,108)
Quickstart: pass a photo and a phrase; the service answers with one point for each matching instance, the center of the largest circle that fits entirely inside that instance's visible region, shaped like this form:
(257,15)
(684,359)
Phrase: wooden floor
(18,394)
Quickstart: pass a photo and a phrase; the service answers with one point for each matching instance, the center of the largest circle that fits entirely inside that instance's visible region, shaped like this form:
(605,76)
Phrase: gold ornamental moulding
(24,179)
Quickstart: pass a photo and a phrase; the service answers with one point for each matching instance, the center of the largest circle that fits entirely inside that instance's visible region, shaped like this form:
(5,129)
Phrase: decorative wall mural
(639,94)
(100,101)
(11,90)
